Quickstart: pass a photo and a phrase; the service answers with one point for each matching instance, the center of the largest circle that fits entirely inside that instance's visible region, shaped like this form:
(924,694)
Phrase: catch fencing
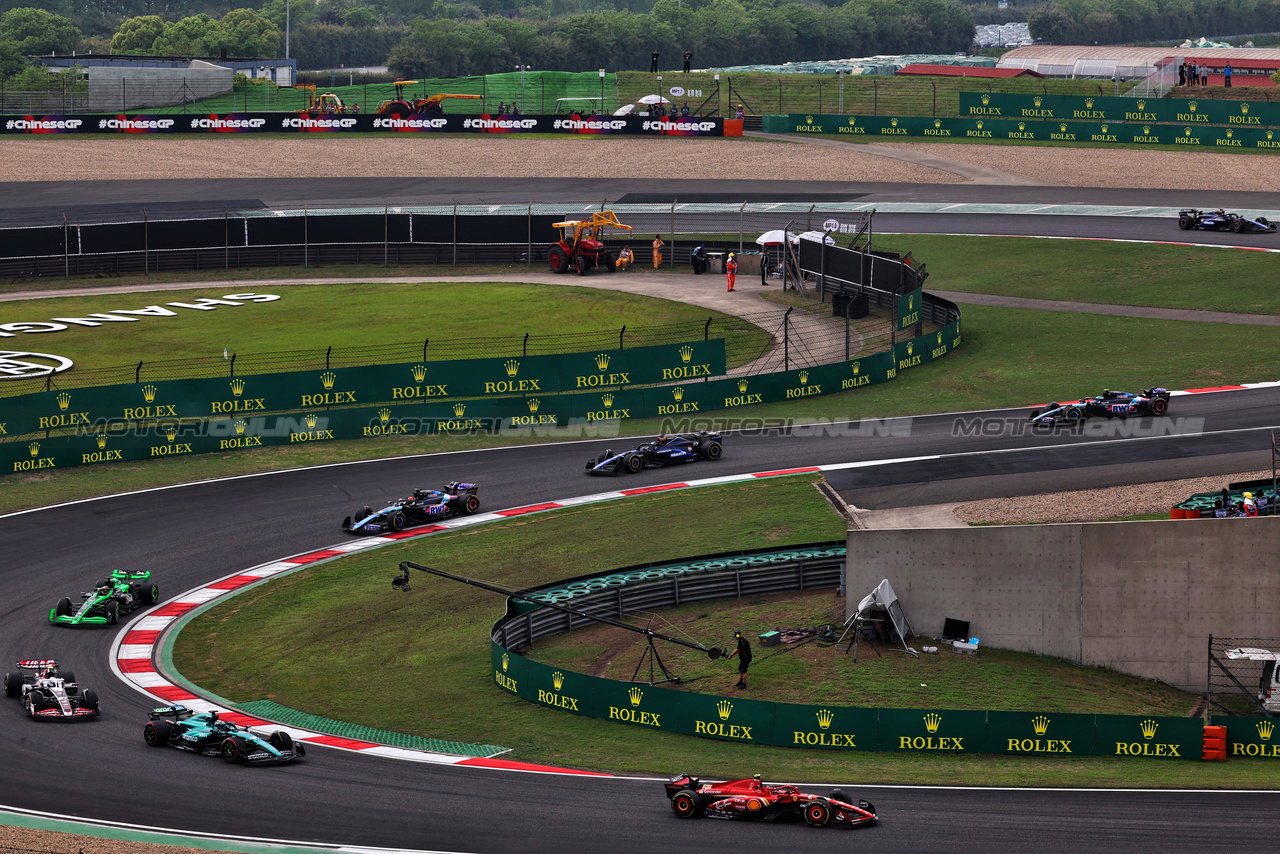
(643,589)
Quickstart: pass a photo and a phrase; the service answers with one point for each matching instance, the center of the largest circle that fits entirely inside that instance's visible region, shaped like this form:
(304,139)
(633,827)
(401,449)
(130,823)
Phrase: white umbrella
(774,237)
(815,236)
(653,99)
(625,109)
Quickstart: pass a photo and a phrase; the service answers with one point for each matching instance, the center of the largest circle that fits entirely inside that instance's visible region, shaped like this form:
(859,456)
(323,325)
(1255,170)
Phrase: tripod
(651,655)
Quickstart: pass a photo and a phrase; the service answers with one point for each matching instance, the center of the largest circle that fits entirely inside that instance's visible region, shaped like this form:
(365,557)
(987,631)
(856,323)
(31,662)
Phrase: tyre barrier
(637,589)
(1210,505)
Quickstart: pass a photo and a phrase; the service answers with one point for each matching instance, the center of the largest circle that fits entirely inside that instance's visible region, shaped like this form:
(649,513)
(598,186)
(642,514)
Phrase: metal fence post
(673,234)
(740,226)
(455,234)
(226,239)
(146,244)
(386,232)
(528,250)
(306,238)
(786,339)
(66,249)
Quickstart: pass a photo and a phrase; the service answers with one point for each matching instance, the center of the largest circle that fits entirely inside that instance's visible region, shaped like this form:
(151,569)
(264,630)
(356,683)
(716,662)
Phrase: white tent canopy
(816,237)
(884,599)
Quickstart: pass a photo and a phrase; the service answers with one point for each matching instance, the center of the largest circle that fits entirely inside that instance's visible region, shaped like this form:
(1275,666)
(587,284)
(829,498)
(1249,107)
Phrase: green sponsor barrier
(408,382)
(1155,737)
(933,730)
(1040,733)
(1072,108)
(638,705)
(909,309)
(1250,738)
(508,671)
(726,718)
(559,688)
(828,727)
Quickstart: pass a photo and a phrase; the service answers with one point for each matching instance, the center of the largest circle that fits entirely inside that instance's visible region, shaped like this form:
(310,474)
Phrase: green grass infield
(315,639)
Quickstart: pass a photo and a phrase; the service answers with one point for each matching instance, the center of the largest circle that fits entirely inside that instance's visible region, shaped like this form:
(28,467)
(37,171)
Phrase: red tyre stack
(1215,744)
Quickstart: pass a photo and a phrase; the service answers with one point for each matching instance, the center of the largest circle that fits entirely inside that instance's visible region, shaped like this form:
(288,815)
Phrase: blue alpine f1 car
(1220,220)
(1109,404)
(421,508)
(662,451)
(183,728)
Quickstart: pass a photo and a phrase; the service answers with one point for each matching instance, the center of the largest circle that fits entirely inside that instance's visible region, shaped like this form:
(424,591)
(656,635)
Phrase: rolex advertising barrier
(651,587)
(1116,132)
(179,417)
(1076,108)
(260,123)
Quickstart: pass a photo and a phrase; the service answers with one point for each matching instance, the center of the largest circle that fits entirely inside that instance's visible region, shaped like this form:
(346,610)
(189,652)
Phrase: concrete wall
(1138,597)
(114,90)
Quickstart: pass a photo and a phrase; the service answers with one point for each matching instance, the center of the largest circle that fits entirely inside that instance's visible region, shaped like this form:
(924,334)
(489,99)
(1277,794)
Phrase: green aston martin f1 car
(109,600)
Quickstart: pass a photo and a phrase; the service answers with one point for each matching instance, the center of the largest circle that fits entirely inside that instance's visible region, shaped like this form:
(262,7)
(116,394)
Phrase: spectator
(515,111)
(1182,74)
(625,258)
(688,57)
(653,60)
(764,267)
(502,108)
(1195,74)
(684,110)
(1226,75)
(355,107)
(739,113)
(659,110)
(657,251)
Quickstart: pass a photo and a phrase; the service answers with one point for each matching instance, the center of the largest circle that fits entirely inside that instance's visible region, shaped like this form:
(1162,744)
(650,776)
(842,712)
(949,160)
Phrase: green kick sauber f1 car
(109,600)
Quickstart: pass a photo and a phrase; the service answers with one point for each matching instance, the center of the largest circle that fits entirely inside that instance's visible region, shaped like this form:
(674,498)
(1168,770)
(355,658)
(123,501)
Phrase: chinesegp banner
(252,122)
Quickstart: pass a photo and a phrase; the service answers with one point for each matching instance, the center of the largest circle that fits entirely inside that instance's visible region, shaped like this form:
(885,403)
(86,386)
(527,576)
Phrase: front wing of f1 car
(753,800)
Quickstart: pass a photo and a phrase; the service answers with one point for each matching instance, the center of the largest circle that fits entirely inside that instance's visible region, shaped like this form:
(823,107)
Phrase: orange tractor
(400,106)
(579,246)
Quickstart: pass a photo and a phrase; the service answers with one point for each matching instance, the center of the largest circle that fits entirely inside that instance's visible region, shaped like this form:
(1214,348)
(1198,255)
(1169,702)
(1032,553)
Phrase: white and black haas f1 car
(1220,220)
(421,508)
(752,800)
(1109,404)
(662,451)
(49,693)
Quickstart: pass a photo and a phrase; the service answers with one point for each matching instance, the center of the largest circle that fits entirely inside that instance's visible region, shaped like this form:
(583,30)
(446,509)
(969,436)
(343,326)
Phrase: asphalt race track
(190,535)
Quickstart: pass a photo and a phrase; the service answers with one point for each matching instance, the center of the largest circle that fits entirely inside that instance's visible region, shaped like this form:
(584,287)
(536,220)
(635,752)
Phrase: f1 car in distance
(420,508)
(1220,220)
(1111,404)
(662,451)
(48,692)
(753,800)
(183,728)
(109,600)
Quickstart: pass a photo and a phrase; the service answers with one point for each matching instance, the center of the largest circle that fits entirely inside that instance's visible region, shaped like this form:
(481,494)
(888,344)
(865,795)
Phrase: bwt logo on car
(501,124)
(397,123)
(226,124)
(135,124)
(42,125)
(584,124)
(307,123)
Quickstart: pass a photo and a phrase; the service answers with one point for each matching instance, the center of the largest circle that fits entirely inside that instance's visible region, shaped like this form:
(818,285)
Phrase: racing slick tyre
(90,700)
(713,450)
(634,463)
(818,812)
(1159,407)
(1073,416)
(156,733)
(471,505)
(63,608)
(838,795)
(230,751)
(581,263)
(12,684)
(151,594)
(112,610)
(69,681)
(397,522)
(685,805)
(281,740)
(1237,225)
(1184,222)
(32,703)
(559,260)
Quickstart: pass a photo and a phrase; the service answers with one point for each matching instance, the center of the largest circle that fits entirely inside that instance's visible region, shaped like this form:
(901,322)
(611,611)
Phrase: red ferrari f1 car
(756,801)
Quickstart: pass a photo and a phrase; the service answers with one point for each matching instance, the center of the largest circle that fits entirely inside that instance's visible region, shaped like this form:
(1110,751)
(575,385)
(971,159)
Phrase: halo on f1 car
(663,451)
(754,800)
(421,508)
(48,692)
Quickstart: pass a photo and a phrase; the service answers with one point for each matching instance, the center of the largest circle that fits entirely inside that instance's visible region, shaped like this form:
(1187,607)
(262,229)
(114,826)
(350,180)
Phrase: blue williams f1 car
(421,508)
(182,728)
(1109,404)
(109,600)
(663,451)
(1220,220)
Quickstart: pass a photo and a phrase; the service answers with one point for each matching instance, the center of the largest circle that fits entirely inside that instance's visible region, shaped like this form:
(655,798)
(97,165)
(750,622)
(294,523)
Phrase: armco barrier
(260,123)
(1191,135)
(650,587)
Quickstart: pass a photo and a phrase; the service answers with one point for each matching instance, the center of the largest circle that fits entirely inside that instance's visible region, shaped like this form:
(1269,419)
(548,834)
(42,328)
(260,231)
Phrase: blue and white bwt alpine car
(662,451)
(421,508)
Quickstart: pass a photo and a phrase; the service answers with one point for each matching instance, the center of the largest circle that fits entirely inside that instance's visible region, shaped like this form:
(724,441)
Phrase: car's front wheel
(63,608)
(685,805)
(713,450)
(634,463)
(397,522)
(281,740)
(230,751)
(112,610)
(1073,415)
(90,700)
(817,813)
(32,703)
